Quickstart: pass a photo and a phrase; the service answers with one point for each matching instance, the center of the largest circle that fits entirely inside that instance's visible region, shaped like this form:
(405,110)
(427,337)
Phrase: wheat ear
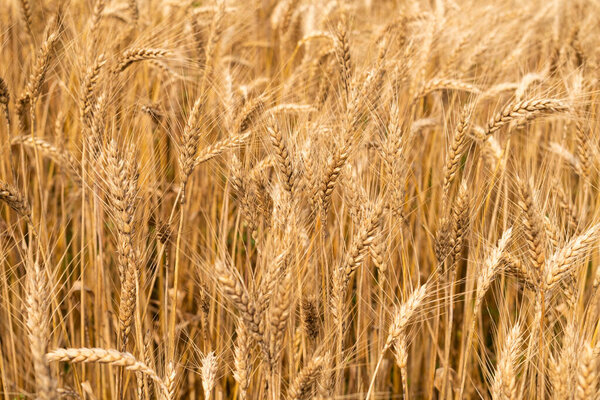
(242,360)
(457,149)
(138,54)
(302,387)
(38,326)
(398,331)
(106,356)
(524,109)
(504,386)
(209,374)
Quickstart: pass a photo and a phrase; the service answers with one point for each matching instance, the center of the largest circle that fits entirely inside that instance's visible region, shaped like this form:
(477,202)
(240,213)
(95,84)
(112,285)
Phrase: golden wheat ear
(527,109)
(107,356)
(38,325)
(5,99)
(36,79)
(13,198)
(504,385)
(137,54)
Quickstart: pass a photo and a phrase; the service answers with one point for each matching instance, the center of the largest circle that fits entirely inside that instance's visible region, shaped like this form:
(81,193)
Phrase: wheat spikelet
(560,265)
(282,156)
(342,53)
(15,200)
(95,139)
(61,157)
(134,10)
(210,50)
(278,316)
(209,372)
(392,153)
(38,326)
(237,293)
(242,359)
(310,318)
(190,141)
(564,368)
(89,87)
(405,313)
(397,334)
(524,109)
(460,223)
(222,146)
(587,374)
(5,98)
(582,152)
(248,114)
(106,356)
(533,229)
(332,173)
(362,241)
(303,385)
(27,15)
(491,266)
(445,84)
(36,79)
(170,381)
(40,68)
(122,176)
(457,149)
(354,259)
(99,6)
(138,54)
(504,386)
(148,360)
(443,240)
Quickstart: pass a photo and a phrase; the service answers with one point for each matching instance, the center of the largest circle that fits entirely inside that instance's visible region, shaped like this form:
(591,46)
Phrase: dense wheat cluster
(299,199)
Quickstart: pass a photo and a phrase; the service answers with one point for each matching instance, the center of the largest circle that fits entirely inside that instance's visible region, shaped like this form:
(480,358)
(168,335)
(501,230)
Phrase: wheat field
(299,199)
